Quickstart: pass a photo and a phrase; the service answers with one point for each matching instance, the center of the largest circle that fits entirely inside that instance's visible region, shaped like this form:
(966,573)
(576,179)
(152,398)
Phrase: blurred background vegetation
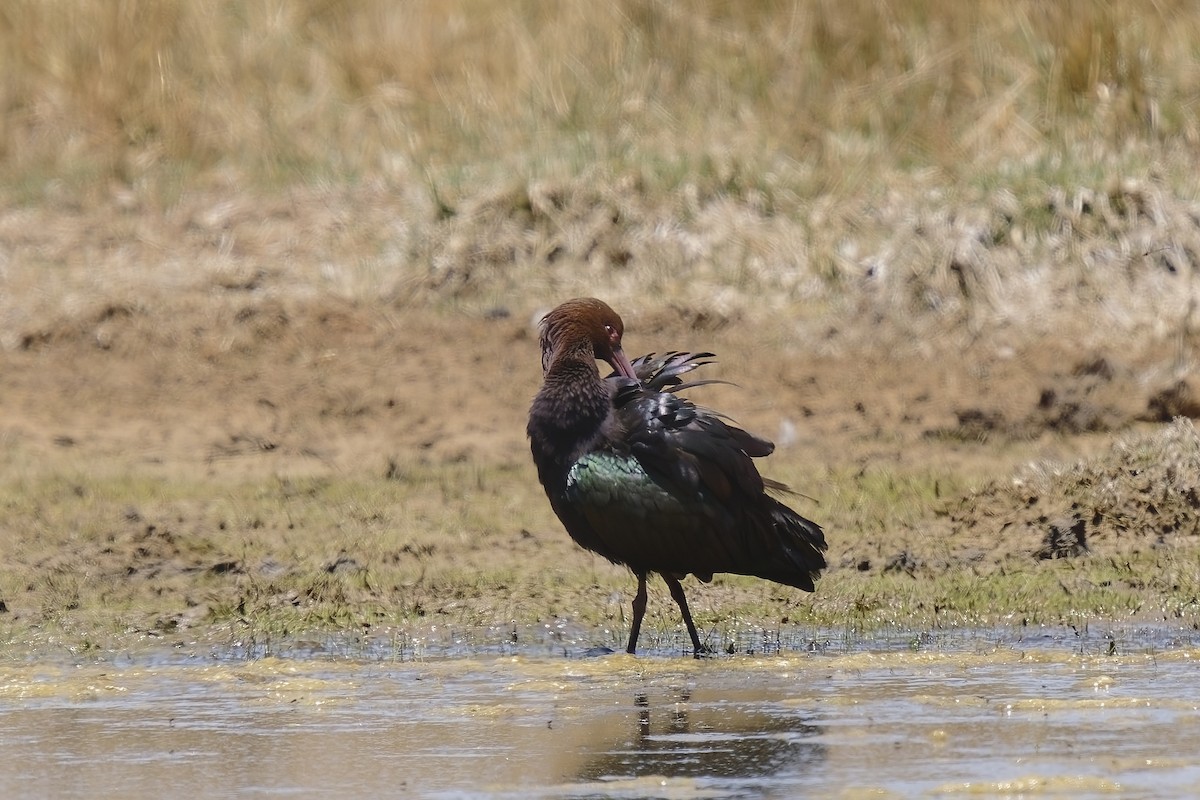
(814,96)
(972,163)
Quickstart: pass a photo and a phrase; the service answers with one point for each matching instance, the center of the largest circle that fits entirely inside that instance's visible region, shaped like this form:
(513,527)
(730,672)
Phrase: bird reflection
(679,714)
(678,739)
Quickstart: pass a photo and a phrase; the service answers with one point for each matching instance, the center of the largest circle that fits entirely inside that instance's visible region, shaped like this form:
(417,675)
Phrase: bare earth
(234,453)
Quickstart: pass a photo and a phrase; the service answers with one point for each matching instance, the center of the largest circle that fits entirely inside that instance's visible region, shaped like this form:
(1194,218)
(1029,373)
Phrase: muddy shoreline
(275,468)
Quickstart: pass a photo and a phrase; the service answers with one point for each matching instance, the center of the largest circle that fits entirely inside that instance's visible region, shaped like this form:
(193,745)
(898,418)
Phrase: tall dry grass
(970,163)
(272,91)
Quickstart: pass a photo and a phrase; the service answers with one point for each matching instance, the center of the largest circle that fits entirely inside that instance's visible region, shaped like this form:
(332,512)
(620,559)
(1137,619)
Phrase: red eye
(613,336)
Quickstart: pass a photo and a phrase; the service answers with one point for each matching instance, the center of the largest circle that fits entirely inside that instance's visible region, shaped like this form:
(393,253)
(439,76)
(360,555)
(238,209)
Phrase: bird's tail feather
(801,554)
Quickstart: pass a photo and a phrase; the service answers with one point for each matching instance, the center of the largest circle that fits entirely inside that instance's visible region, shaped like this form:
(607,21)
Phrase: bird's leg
(677,592)
(639,611)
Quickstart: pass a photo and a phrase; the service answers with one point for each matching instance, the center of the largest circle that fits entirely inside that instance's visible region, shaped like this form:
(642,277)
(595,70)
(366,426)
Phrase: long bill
(621,364)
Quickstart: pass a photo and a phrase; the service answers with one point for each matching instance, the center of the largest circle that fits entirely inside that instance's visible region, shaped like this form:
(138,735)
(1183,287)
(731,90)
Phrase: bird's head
(585,319)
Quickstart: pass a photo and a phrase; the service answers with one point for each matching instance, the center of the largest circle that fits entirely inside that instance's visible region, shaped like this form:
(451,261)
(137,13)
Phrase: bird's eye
(613,335)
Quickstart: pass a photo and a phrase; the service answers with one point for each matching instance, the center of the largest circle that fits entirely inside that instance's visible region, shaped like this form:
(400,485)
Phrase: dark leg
(677,592)
(639,611)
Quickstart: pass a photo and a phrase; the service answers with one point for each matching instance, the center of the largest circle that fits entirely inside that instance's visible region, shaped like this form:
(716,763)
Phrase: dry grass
(826,92)
(965,166)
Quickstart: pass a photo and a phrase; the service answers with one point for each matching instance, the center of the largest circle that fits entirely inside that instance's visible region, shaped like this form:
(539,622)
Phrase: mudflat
(249,453)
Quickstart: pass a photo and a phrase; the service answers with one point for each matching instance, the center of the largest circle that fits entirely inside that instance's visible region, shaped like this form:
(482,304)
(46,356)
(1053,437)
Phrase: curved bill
(621,364)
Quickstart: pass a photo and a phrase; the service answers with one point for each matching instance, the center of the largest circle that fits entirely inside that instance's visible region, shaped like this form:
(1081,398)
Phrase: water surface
(988,714)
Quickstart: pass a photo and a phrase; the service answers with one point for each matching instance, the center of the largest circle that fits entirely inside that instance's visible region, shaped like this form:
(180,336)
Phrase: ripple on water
(976,712)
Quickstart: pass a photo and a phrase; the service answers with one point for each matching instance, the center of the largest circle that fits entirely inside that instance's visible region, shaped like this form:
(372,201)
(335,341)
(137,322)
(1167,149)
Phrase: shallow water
(985,714)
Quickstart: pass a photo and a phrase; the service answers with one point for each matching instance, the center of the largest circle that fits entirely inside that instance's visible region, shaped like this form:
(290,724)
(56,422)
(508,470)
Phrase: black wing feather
(706,464)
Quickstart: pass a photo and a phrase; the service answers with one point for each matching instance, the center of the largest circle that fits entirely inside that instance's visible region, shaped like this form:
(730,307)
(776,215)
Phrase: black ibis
(646,478)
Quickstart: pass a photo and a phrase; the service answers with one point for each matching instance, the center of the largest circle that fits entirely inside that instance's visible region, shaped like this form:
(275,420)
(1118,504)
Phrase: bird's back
(673,489)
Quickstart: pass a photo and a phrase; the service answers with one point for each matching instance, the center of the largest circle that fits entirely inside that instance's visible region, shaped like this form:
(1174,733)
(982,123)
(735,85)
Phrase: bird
(647,479)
